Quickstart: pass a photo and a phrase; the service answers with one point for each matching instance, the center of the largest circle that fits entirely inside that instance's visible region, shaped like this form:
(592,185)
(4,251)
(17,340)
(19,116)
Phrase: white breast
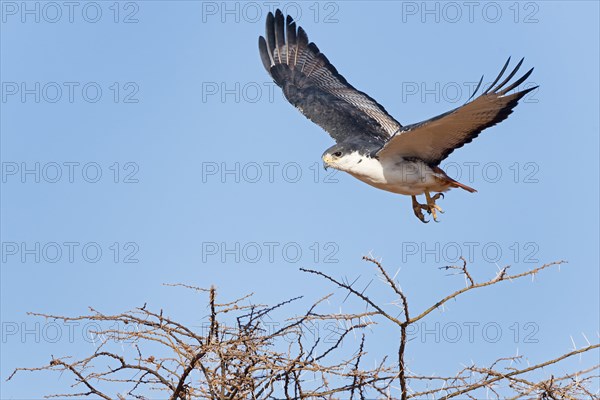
(394,175)
(367,169)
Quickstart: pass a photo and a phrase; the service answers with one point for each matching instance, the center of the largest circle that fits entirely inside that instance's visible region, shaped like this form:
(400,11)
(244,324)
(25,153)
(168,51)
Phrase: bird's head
(341,156)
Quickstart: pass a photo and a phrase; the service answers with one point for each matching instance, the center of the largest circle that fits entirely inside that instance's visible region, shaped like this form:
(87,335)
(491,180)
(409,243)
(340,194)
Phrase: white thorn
(586,339)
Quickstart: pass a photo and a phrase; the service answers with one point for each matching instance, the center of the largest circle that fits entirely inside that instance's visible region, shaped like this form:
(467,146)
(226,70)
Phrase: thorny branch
(240,356)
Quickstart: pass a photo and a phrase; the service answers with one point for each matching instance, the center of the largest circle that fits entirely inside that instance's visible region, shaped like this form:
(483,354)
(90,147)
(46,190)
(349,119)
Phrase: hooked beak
(326,160)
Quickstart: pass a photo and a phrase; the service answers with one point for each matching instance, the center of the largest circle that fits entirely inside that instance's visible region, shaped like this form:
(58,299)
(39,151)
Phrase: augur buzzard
(370,144)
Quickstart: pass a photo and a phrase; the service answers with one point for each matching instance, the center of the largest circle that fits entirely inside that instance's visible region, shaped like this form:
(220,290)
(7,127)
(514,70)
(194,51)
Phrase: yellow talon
(432,208)
(417,209)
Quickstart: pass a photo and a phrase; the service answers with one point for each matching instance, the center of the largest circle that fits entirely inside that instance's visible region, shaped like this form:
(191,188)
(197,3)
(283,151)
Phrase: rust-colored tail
(462,186)
(452,182)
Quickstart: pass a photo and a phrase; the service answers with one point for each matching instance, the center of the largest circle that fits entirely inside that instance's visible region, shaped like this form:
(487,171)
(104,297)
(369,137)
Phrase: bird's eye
(337,154)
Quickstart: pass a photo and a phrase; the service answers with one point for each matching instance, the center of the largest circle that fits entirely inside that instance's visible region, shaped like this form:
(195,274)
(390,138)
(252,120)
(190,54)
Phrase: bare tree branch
(238,356)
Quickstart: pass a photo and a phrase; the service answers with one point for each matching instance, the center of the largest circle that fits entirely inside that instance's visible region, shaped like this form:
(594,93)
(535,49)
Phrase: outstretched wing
(315,87)
(433,140)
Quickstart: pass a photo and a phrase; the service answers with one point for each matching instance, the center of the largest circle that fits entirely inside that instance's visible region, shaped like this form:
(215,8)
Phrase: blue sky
(159,151)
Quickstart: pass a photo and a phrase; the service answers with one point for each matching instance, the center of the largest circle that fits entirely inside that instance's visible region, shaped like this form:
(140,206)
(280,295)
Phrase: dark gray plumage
(314,86)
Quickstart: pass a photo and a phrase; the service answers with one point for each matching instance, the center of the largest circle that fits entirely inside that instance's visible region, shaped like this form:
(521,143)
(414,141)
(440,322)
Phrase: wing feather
(434,139)
(312,84)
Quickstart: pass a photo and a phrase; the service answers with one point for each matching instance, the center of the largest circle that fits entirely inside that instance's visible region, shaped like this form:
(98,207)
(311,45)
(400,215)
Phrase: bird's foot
(437,196)
(418,209)
(431,207)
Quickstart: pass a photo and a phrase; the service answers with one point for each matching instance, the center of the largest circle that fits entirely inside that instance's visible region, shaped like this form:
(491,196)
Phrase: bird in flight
(370,144)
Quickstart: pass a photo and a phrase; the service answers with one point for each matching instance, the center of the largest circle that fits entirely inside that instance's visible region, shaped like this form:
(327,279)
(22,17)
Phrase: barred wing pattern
(314,86)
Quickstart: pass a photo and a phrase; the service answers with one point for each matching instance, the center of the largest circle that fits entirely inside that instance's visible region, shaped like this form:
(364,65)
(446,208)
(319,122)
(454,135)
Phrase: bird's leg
(433,208)
(417,208)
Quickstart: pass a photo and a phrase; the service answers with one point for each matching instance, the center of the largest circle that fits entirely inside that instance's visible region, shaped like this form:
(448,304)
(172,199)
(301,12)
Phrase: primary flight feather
(370,144)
